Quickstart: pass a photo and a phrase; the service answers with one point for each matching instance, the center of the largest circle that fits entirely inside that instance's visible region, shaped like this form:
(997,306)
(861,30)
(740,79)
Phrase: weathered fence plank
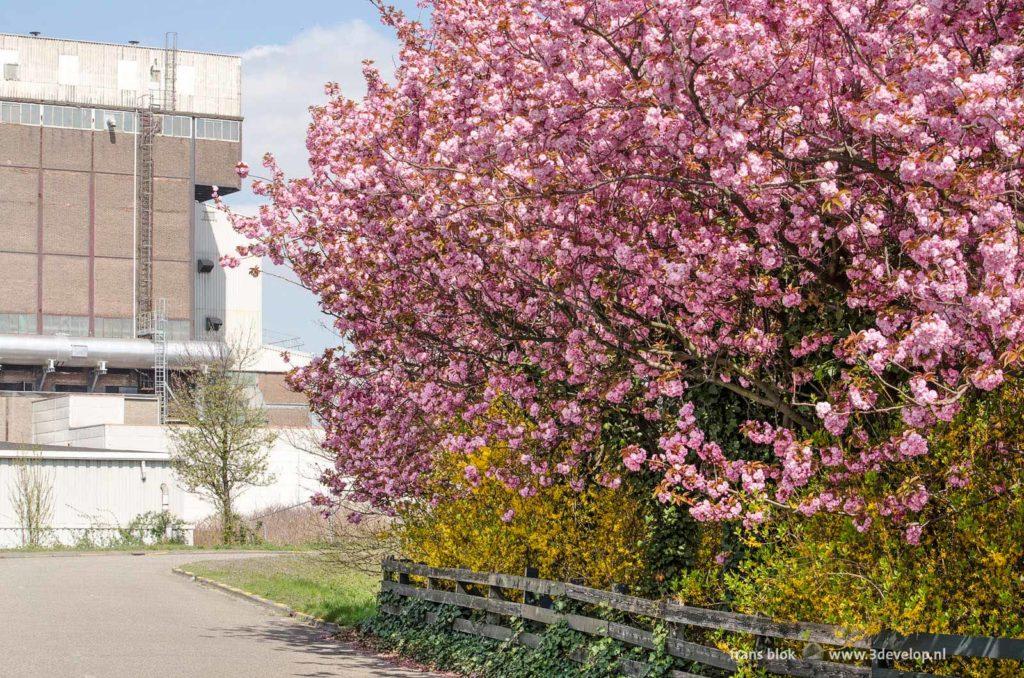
(981,647)
(537,594)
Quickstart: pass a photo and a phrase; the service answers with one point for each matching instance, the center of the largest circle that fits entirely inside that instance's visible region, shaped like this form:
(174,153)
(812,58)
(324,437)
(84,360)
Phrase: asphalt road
(106,616)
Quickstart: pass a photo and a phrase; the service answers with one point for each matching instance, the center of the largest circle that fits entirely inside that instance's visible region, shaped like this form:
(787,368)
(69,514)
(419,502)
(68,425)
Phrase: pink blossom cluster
(562,208)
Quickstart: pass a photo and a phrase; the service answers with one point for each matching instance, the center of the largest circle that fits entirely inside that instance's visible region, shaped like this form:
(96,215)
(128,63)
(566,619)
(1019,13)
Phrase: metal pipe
(21,349)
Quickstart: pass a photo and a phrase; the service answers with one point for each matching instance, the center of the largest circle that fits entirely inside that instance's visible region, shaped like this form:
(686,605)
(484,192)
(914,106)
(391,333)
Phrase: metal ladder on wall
(150,313)
(170,70)
(160,386)
(154,326)
(149,123)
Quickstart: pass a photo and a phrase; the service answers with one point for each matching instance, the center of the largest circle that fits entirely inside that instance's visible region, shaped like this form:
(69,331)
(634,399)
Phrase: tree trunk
(227,525)
(227,510)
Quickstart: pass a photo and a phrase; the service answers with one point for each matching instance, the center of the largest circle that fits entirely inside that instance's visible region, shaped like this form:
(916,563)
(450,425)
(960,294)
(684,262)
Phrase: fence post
(878,646)
(403,578)
(762,645)
(529,573)
(494,593)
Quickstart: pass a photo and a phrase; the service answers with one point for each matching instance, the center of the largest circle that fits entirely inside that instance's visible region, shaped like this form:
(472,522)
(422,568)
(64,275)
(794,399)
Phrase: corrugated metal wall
(95,491)
(232,295)
(99,74)
(89,496)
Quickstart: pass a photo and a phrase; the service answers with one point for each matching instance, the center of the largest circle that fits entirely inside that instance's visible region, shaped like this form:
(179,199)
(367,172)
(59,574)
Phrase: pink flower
(634,457)
(513,268)
(507,516)
(242,170)
(791,298)
(912,534)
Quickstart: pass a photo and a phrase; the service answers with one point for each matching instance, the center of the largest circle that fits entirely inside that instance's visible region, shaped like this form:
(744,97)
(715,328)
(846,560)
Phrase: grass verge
(302,582)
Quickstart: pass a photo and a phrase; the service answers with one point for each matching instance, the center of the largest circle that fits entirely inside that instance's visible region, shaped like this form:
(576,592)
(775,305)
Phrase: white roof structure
(81,73)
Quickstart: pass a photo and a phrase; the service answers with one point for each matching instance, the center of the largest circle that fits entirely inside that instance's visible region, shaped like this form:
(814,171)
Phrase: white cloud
(281,82)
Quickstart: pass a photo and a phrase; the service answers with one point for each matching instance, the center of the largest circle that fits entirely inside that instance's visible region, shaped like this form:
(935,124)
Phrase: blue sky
(219,26)
(289,50)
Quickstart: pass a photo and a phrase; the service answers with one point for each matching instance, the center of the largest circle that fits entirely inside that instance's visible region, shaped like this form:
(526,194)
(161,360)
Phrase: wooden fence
(780,647)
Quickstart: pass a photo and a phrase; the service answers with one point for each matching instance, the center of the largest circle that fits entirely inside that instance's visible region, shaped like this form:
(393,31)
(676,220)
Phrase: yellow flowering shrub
(965,577)
(592,535)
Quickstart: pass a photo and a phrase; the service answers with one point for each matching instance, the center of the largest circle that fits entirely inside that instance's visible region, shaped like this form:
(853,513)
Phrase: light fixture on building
(204,265)
(213,324)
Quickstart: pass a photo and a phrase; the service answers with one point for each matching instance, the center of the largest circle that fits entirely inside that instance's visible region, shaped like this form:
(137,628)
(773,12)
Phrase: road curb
(280,608)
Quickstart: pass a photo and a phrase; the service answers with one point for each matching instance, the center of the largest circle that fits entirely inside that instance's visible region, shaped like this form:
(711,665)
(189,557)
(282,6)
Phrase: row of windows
(176,126)
(224,130)
(78,326)
(73,117)
(17,323)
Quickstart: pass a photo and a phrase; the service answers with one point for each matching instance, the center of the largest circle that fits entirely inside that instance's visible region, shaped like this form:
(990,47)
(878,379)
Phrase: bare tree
(221,445)
(32,499)
(351,534)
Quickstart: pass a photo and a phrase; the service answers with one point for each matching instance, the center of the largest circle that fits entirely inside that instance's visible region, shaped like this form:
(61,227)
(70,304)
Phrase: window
(113,328)
(176,126)
(221,130)
(11,72)
(67,116)
(77,118)
(24,114)
(179,330)
(124,121)
(69,325)
(17,323)
(30,114)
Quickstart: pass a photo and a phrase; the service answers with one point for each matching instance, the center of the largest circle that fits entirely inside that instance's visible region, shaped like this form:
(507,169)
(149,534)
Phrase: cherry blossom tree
(565,210)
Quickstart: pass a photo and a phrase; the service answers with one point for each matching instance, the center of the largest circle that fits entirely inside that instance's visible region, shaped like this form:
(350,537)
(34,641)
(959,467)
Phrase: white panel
(127,74)
(185,81)
(94,410)
(8,56)
(67,69)
(115,76)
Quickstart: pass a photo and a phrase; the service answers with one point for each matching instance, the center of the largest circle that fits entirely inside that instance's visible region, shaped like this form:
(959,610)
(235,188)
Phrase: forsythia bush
(966,576)
(591,535)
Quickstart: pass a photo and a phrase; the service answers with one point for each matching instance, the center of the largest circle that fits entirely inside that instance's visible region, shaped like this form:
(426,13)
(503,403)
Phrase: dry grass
(339,540)
(297,526)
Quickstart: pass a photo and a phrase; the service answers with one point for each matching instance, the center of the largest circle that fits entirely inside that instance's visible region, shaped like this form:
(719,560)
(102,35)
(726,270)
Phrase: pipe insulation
(19,349)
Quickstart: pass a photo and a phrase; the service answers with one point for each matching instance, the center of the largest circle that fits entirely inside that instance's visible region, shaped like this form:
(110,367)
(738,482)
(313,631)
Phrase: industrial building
(109,247)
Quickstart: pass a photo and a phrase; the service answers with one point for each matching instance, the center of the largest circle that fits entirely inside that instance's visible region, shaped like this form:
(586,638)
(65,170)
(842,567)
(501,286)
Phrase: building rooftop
(125,44)
(47,69)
